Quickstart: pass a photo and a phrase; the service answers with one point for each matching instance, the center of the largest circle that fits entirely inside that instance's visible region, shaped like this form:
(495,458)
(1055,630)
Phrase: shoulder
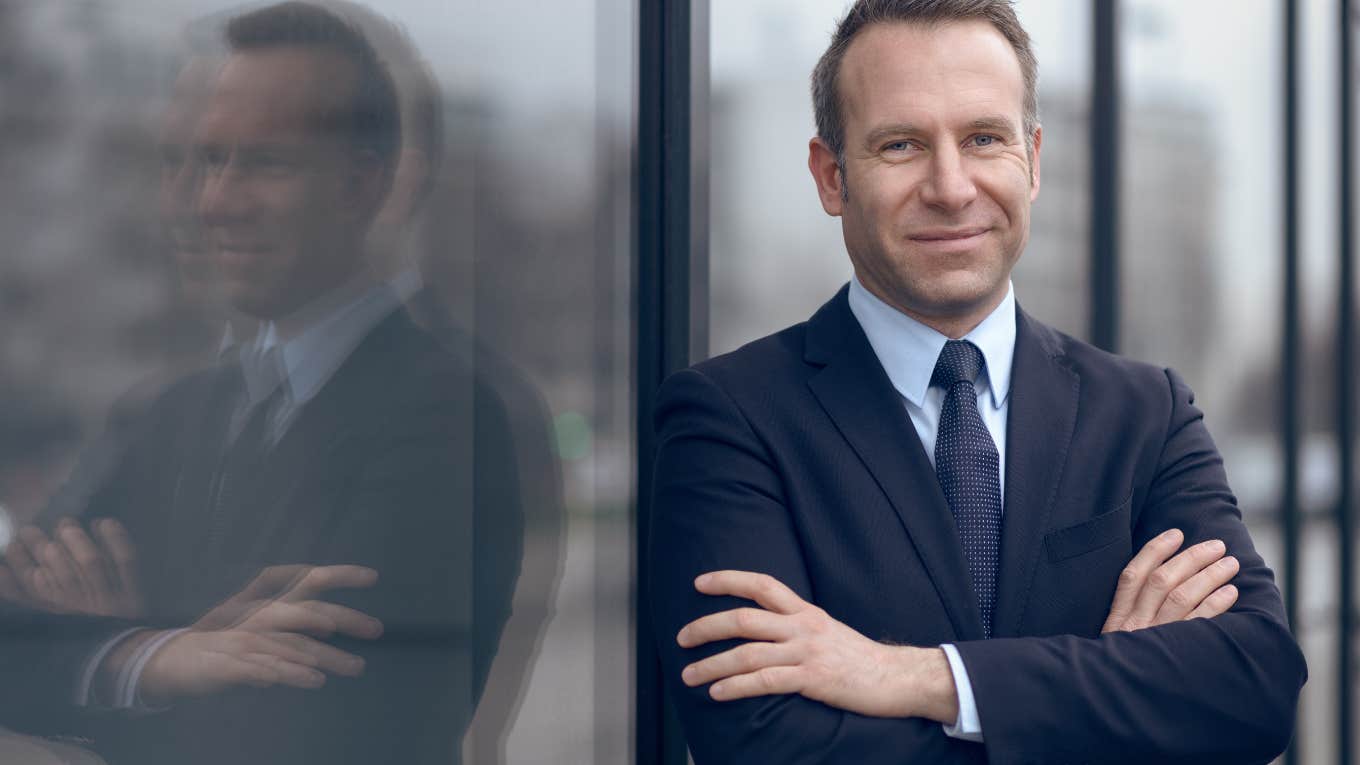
(758,361)
(1113,388)
(739,389)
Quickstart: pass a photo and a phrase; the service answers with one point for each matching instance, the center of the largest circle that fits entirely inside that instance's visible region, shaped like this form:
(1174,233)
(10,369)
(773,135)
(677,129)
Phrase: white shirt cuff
(86,684)
(969,726)
(125,689)
(129,680)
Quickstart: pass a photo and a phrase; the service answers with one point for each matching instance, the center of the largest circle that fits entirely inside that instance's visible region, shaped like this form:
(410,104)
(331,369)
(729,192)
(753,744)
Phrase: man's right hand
(1157,588)
(270,633)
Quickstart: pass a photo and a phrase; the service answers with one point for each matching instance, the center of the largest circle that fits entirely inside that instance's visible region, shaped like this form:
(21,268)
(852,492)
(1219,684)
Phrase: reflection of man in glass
(924,527)
(339,436)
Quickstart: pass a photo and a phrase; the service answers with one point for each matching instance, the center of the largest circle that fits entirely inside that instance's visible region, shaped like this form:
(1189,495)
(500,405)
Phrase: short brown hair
(372,119)
(826,100)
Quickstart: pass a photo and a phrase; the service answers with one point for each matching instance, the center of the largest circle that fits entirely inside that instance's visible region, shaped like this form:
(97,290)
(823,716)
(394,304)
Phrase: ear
(827,174)
(408,185)
(367,184)
(1034,164)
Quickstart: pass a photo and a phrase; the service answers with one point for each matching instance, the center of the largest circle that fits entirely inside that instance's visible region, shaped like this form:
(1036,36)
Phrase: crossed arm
(799,648)
(273,632)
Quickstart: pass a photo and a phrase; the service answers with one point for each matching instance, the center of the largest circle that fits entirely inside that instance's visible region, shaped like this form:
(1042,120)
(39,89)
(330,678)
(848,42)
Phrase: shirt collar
(908,349)
(321,336)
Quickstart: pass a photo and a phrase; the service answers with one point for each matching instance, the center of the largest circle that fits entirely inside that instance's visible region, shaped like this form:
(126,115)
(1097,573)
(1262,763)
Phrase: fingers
(62,574)
(313,618)
(1186,597)
(747,623)
(762,682)
(29,559)
(347,621)
(117,543)
(745,658)
(278,672)
(762,588)
(273,580)
(1218,602)
(241,644)
(325,657)
(1134,575)
(1169,576)
(91,566)
(19,559)
(320,579)
(10,589)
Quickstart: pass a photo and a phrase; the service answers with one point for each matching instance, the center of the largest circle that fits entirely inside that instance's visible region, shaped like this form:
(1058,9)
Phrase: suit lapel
(1042,415)
(313,451)
(856,394)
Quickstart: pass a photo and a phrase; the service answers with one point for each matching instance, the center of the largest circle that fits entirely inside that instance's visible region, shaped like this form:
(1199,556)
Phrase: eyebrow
(995,123)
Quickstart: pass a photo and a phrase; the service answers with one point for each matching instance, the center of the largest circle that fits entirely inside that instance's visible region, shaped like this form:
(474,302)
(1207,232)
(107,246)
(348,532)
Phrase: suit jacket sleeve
(719,504)
(1204,690)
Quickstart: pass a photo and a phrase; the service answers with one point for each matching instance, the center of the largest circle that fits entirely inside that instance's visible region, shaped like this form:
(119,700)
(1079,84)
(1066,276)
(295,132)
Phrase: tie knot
(960,361)
(263,371)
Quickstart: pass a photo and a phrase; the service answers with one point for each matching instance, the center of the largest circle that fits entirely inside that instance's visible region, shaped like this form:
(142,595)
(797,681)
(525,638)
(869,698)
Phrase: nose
(949,186)
(223,197)
(180,187)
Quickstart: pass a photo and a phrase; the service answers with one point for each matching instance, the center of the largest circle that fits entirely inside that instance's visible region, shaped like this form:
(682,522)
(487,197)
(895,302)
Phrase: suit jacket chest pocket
(1080,568)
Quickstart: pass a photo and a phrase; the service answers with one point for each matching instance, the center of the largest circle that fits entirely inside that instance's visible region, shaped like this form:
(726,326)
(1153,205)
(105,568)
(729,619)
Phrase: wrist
(154,683)
(106,678)
(931,693)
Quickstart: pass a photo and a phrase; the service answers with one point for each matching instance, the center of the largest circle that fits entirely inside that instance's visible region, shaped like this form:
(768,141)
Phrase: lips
(241,256)
(948,235)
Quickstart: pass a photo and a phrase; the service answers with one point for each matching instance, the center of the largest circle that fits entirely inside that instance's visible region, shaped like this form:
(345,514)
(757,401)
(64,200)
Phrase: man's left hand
(74,571)
(800,649)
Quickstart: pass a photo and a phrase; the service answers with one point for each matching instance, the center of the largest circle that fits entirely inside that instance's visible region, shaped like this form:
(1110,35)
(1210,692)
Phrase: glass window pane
(1052,278)
(1200,259)
(292,288)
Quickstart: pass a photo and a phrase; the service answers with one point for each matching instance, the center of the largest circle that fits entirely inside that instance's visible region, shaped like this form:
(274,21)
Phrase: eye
(984,141)
(897,147)
(213,158)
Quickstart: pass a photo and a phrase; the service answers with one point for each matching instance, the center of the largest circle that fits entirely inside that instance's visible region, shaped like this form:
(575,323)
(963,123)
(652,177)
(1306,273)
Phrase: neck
(952,324)
(296,322)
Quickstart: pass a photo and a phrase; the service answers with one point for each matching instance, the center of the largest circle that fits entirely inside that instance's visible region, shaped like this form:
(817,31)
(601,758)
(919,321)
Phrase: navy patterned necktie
(968,467)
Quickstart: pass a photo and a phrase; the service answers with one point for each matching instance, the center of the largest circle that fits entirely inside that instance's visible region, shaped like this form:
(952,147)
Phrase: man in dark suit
(904,531)
(334,450)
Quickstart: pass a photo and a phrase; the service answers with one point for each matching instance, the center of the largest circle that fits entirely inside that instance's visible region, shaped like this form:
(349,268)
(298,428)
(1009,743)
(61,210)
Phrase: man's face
(279,205)
(937,182)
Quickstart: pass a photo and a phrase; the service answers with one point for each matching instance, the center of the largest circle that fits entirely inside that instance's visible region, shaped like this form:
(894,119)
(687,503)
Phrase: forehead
(928,73)
(284,90)
(193,85)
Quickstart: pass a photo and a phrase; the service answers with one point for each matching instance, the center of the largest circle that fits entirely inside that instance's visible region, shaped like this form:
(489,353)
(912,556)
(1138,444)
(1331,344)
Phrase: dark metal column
(1105,146)
(663,309)
(1291,338)
(1345,386)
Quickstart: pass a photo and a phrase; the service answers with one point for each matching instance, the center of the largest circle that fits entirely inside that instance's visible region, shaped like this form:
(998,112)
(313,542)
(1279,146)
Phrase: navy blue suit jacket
(794,456)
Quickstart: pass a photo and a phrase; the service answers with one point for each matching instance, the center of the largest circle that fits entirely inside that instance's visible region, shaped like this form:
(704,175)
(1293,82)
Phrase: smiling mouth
(949,236)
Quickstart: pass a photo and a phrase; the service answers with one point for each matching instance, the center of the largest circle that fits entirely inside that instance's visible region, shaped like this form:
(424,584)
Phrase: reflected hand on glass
(285,598)
(74,572)
(1157,588)
(270,633)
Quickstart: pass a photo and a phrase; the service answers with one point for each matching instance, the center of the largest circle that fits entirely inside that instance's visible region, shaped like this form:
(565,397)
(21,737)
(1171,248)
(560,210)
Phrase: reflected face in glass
(278,202)
(938,181)
(182,176)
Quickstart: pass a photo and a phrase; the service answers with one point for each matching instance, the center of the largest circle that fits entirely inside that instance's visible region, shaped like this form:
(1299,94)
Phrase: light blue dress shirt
(907,350)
